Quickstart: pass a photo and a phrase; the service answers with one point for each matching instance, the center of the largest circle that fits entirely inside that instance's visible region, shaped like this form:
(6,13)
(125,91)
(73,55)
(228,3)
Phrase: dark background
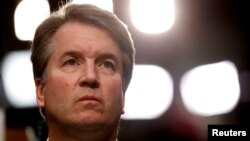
(205,31)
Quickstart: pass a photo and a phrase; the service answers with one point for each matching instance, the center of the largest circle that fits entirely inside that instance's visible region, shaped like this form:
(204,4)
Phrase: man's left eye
(108,65)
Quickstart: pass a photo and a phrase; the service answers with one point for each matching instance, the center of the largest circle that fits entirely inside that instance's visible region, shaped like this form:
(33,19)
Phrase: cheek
(61,81)
(113,93)
(57,84)
(59,87)
(58,94)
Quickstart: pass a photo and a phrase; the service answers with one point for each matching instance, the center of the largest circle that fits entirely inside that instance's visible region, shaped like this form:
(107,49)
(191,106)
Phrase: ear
(40,87)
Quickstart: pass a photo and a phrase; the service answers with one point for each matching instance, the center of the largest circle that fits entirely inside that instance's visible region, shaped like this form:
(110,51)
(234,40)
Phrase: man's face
(84,78)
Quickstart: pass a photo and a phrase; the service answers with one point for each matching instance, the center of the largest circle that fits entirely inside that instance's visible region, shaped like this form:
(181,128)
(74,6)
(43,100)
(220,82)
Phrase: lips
(89,98)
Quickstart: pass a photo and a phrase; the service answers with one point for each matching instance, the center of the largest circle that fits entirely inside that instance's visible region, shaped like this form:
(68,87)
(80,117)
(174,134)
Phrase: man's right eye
(70,65)
(70,62)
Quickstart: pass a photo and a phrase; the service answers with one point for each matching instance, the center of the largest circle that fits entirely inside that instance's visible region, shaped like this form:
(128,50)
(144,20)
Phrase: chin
(90,118)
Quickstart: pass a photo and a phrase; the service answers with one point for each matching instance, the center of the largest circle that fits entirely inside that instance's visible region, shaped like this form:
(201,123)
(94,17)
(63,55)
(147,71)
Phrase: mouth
(90,103)
(89,98)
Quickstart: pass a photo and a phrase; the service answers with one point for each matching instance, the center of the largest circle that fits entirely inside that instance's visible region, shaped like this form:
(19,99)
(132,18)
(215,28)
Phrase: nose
(89,77)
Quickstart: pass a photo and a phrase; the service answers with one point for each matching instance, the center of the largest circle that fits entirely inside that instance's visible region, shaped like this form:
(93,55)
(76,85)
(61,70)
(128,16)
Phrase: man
(82,60)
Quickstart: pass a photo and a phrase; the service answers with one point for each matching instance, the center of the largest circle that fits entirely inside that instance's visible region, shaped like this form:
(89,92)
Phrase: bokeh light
(152,16)
(211,89)
(28,15)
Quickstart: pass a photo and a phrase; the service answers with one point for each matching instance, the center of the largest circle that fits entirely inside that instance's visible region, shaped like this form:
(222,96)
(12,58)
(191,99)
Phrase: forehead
(81,30)
(76,35)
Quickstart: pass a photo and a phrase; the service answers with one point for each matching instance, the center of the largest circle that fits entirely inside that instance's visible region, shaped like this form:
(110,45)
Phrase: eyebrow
(103,56)
(108,56)
(75,54)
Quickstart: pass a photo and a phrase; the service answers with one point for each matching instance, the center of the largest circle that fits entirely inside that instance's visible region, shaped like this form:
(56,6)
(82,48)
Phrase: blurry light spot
(149,94)
(152,16)
(211,89)
(28,15)
(18,80)
(104,4)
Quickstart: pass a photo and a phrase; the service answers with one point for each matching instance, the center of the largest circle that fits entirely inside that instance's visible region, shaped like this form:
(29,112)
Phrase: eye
(70,62)
(70,65)
(108,64)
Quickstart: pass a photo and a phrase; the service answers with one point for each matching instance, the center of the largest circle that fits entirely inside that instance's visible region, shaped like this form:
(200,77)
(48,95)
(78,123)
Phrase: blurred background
(192,67)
